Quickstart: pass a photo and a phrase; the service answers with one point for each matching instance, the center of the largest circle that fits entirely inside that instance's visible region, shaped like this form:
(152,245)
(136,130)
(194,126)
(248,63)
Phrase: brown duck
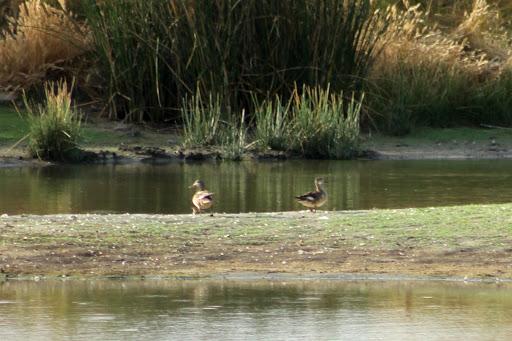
(315,199)
(202,199)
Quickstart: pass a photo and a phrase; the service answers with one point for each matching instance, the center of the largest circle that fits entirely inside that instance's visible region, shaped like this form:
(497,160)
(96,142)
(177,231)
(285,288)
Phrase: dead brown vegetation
(476,44)
(40,40)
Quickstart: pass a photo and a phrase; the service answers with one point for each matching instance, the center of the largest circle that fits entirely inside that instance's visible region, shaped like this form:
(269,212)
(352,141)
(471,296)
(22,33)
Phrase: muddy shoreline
(125,143)
(151,155)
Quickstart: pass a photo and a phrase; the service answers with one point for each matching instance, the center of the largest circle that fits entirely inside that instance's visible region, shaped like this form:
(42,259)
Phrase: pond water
(254,310)
(253,186)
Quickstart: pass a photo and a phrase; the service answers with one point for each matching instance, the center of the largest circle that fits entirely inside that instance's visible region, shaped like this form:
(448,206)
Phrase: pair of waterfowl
(203,199)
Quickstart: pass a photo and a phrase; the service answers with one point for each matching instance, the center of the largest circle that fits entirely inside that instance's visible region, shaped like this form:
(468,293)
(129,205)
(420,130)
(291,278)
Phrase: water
(254,310)
(253,186)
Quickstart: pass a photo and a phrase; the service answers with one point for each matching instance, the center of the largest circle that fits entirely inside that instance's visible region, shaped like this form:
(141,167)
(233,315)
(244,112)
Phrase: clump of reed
(202,122)
(54,127)
(37,44)
(236,138)
(313,123)
(209,123)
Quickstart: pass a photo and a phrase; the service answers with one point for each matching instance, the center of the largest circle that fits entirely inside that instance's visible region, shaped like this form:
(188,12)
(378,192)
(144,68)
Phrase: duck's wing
(204,195)
(311,196)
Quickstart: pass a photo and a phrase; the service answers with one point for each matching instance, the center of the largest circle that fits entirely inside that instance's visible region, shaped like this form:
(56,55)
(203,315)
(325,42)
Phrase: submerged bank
(471,242)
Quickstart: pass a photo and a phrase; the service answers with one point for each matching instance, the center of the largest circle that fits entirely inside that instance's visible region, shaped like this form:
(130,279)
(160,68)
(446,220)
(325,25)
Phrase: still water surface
(253,186)
(254,310)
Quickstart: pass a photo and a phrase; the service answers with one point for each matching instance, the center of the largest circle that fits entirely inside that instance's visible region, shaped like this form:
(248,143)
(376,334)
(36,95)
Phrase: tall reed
(235,138)
(321,125)
(273,128)
(209,123)
(153,53)
(420,95)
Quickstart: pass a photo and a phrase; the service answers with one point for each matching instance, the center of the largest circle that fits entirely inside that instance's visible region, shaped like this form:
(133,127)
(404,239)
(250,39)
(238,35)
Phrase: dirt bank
(124,143)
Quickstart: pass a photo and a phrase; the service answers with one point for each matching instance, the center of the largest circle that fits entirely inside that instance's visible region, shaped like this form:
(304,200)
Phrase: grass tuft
(55,126)
(202,121)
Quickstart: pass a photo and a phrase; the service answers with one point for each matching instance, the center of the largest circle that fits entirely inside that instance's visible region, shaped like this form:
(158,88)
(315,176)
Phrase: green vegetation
(163,51)
(212,124)
(55,126)
(203,123)
(418,63)
(312,123)
(448,65)
(13,127)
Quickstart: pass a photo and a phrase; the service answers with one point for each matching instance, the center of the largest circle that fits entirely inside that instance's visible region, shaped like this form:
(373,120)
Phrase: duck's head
(199,184)
(321,181)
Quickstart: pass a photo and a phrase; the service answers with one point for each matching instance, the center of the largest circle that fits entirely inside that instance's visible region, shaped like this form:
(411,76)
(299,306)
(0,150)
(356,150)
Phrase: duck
(315,199)
(202,199)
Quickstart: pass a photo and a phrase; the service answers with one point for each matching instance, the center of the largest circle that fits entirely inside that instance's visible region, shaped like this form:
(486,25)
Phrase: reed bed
(164,50)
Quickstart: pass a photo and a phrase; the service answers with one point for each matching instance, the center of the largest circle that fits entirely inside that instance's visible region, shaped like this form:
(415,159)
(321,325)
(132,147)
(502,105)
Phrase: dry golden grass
(477,46)
(42,38)
(483,32)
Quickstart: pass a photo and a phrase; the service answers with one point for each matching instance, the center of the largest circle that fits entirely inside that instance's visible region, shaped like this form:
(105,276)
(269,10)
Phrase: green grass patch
(423,136)
(462,134)
(12,127)
(96,136)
